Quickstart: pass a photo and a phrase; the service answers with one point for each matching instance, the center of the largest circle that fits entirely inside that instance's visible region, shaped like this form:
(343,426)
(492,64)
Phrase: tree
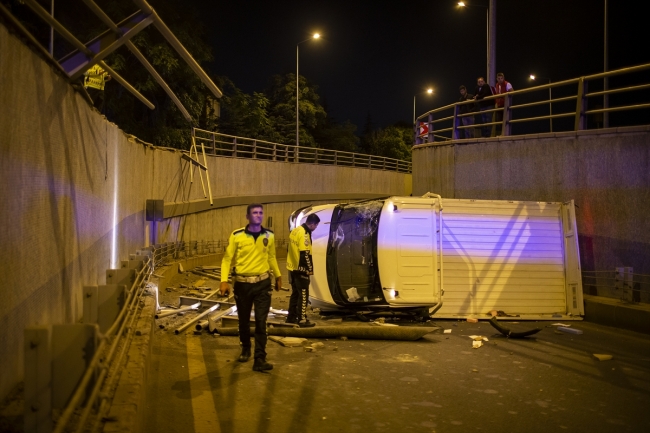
(244,115)
(392,142)
(281,93)
(337,136)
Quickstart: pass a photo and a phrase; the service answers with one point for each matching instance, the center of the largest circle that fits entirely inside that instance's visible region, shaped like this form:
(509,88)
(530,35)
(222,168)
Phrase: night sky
(375,56)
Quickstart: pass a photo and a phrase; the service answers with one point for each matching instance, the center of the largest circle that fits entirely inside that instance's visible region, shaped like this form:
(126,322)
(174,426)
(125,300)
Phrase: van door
(408,251)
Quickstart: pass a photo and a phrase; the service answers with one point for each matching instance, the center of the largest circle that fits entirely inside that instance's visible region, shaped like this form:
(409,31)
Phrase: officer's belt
(253,279)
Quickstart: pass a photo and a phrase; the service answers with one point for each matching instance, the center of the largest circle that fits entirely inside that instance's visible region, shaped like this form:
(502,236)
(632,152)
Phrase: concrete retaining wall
(73,189)
(606,172)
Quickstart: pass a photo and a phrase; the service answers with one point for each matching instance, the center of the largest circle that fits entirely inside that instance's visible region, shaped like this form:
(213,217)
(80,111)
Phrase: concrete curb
(613,312)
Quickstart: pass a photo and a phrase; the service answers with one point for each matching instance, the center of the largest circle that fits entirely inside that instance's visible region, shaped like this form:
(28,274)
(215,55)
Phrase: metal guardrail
(103,370)
(242,147)
(445,123)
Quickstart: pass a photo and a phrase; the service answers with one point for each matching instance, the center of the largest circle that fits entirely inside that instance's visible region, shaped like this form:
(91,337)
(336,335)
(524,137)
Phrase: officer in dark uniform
(254,250)
(300,266)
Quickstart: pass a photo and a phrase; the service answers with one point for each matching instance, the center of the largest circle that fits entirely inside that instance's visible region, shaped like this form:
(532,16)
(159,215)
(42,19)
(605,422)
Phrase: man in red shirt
(502,86)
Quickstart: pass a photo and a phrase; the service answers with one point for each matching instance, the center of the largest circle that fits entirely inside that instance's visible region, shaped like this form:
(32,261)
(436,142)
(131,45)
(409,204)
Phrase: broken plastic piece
(472,320)
(508,333)
(447,331)
(476,344)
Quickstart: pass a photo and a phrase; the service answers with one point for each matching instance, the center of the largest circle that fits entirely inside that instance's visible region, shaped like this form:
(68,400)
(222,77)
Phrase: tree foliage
(392,142)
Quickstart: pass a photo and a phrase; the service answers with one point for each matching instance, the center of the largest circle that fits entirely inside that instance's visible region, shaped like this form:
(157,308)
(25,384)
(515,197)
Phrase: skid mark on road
(206,419)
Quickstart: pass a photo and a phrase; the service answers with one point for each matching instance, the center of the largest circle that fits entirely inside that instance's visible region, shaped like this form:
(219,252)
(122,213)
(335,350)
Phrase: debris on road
(477,341)
(602,357)
(508,333)
(472,320)
(344,332)
(447,331)
(569,330)
(288,341)
(501,313)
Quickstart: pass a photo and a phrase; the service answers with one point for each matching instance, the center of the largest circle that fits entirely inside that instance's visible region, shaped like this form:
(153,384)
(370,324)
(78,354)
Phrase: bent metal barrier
(240,147)
(79,392)
(432,125)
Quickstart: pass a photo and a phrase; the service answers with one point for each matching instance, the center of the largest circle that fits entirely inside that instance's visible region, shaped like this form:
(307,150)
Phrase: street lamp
(491,37)
(550,98)
(429,91)
(314,36)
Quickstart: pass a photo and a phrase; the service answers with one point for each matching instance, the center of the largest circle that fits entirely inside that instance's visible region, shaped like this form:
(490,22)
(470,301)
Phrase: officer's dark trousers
(247,297)
(299,297)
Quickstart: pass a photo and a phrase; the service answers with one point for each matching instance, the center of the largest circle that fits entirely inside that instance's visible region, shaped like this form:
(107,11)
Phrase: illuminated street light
(533,77)
(430,92)
(314,36)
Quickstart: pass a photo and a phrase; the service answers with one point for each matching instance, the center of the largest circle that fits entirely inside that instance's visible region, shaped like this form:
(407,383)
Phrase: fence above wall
(242,147)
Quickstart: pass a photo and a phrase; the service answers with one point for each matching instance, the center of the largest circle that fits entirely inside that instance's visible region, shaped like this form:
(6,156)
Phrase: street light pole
(491,40)
(429,91)
(315,36)
(606,79)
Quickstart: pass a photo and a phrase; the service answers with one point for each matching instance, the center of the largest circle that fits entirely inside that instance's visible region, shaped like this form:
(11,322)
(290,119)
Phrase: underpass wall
(606,172)
(73,189)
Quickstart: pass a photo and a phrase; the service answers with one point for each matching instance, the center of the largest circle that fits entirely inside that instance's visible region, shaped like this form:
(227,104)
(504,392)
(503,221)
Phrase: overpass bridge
(75,190)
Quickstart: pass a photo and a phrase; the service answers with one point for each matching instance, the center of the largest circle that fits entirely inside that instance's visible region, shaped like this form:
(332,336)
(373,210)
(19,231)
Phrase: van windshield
(352,272)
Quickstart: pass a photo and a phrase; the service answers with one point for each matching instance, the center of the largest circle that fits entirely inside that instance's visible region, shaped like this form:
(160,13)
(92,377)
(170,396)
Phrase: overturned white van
(456,258)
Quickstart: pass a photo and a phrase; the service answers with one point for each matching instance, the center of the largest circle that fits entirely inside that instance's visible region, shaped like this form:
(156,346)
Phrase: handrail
(242,147)
(436,121)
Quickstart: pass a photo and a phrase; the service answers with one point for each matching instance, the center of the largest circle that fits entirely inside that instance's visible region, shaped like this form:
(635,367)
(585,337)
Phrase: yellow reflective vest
(252,257)
(299,257)
(95,77)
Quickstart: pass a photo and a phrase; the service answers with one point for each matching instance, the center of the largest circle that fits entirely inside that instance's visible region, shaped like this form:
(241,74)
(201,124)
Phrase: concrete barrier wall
(73,189)
(607,173)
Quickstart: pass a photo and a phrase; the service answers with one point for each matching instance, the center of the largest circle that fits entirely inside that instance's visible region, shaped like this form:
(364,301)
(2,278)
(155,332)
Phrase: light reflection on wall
(115,209)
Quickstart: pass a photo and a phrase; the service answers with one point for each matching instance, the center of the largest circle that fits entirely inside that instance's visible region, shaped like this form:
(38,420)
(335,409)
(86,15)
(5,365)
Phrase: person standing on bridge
(300,266)
(483,90)
(502,86)
(253,248)
(464,109)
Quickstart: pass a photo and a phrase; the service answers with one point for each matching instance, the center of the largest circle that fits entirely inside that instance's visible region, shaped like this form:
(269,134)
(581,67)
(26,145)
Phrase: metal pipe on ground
(403,333)
(196,319)
(172,312)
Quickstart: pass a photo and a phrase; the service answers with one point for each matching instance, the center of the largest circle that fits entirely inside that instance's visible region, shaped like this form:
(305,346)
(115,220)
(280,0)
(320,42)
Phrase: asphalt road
(438,384)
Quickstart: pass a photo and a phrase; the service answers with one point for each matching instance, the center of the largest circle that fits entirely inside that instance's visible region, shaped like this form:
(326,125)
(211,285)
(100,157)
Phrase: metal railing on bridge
(242,147)
(574,108)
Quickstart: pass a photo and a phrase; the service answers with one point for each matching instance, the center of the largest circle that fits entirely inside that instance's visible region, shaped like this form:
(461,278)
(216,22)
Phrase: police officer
(95,79)
(300,266)
(254,250)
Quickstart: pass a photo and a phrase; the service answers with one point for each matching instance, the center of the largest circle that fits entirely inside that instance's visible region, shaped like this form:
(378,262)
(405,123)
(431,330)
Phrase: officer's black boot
(260,364)
(245,354)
